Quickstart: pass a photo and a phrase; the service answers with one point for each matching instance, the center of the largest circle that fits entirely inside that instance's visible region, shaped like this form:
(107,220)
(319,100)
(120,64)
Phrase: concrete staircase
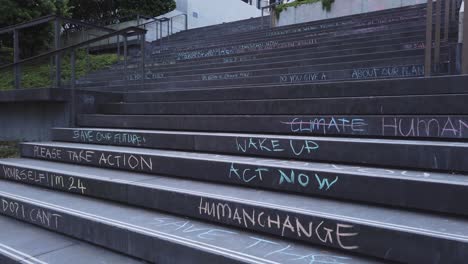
(264,168)
(378,45)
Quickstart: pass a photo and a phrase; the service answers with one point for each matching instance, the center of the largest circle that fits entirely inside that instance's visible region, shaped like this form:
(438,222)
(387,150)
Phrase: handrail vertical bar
(125,60)
(172,25)
(16,58)
(118,47)
(73,88)
(168,25)
(428,53)
(142,52)
(57,57)
(161,33)
(437,34)
(453,11)
(186,21)
(447,20)
(465,43)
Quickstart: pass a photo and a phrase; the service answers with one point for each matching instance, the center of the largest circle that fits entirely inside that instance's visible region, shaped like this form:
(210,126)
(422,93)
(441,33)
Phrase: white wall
(211,12)
(313,12)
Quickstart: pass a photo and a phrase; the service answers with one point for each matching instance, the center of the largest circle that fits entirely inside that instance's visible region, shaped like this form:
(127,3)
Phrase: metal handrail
(127,32)
(133,32)
(48,18)
(270,7)
(170,25)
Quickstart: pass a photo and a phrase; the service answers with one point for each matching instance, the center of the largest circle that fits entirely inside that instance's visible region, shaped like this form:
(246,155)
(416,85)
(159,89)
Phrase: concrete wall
(31,121)
(313,12)
(29,117)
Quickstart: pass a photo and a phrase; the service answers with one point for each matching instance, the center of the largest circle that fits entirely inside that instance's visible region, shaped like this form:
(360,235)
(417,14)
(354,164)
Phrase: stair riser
(428,86)
(369,71)
(434,127)
(396,154)
(405,105)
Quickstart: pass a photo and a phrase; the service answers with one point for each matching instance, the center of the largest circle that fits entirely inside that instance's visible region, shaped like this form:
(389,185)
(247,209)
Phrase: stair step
(454,104)
(415,154)
(347,182)
(434,127)
(28,244)
(395,87)
(154,236)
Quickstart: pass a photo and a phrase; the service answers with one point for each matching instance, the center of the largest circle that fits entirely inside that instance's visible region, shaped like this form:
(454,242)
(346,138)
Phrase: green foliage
(38,75)
(326,5)
(35,39)
(9,150)
(109,11)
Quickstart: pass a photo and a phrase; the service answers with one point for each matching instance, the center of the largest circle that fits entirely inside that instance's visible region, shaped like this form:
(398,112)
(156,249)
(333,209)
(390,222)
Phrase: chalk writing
(390,72)
(49,179)
(239,59)
(327,125)
(90,136)
(149,75)
(267,45)
(324,231)
(262,247)
(282,176)
(224,76)
(452,127)
(303,77)
(416,45)
(29,213)
(126,161)
(297,147)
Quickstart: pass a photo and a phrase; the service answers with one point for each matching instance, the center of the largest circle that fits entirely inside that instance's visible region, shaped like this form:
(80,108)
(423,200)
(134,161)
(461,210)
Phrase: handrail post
(428,53)
(186,21)
(172,25)
(118,47)
(57,57)
(447,20)
(125,59)
(73,88)
(464,67)
(16,58)
(143,77)
(453,11)
(437,34)
(161,33)
(168,24)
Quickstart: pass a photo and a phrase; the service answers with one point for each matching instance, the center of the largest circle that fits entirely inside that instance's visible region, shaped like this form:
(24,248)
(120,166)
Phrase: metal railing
(160,23)
(57,20)
(434,34)
(125,33)
(72,52)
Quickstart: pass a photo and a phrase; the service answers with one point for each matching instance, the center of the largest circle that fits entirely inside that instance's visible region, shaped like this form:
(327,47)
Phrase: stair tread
(29,244)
